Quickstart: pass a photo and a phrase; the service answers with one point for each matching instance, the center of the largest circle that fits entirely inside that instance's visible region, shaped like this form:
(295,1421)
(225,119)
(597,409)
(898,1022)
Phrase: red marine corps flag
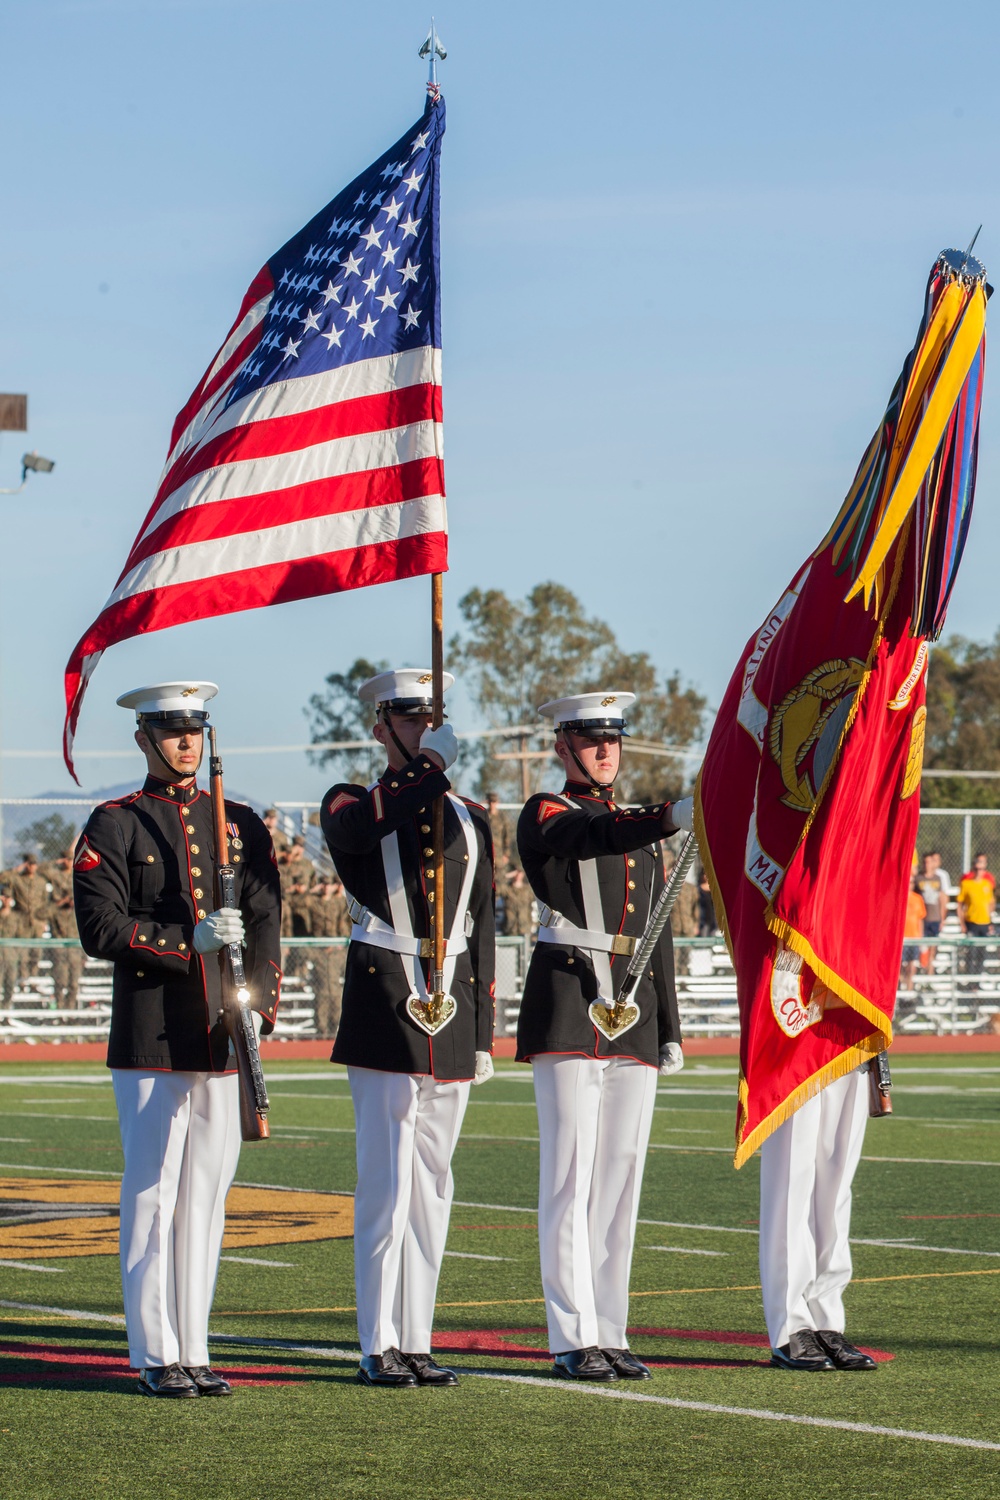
(309,458)
(808,801)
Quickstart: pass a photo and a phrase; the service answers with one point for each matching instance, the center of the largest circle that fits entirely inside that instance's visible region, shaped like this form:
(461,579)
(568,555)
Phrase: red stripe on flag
(262,283)
(275,583)
(290,434)
(321,497)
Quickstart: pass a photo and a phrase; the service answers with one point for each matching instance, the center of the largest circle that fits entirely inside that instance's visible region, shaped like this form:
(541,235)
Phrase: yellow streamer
(927,439)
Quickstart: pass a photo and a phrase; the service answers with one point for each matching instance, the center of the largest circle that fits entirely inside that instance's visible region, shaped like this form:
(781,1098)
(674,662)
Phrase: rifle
(879,1084)
(236,1012)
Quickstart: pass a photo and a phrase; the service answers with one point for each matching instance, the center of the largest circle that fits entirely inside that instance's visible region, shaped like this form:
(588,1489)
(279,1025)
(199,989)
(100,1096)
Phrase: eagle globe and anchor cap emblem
(808,724)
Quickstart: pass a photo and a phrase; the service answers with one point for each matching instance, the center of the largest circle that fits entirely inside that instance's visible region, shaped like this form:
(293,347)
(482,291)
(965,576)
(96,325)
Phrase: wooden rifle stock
(236,1012)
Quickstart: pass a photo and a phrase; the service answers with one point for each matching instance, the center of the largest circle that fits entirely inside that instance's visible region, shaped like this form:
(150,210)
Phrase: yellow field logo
(48,1218)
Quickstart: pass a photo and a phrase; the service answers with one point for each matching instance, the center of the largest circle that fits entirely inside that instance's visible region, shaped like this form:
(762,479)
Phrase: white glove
(218,929)
(442,743)
(671,1059)
(257,1021)
(682,814)
(484,1067)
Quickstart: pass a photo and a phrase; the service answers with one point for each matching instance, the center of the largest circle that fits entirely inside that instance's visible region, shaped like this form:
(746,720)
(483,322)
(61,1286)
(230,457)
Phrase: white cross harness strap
(553,927)
(399,937)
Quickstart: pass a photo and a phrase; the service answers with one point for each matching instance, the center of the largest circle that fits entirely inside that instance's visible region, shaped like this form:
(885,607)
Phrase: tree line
(512,654)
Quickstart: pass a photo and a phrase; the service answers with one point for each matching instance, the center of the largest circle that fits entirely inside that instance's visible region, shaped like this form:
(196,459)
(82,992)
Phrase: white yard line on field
(248,1260)
(468,1255)
(711,1408)
(566,1387)
(26,1265)
(46,1168)
(679,1250)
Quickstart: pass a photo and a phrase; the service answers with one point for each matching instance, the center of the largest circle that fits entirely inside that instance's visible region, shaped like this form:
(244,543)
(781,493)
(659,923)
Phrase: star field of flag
(361,279)
(309,458)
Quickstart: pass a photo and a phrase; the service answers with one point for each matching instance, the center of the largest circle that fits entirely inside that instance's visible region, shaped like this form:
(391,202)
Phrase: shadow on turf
(39,1360)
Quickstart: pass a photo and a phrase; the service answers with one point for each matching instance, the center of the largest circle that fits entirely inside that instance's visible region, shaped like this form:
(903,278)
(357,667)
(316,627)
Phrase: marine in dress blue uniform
(143,875)
(596,870)
(410,1084)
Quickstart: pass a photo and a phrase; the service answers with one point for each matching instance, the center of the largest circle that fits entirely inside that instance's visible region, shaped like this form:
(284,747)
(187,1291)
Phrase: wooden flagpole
(437,820)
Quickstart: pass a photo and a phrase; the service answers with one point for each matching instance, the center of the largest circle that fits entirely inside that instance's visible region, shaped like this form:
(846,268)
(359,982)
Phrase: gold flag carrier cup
(614,1020)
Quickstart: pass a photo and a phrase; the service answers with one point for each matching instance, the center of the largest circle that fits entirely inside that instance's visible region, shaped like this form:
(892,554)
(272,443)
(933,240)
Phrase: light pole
(31,463)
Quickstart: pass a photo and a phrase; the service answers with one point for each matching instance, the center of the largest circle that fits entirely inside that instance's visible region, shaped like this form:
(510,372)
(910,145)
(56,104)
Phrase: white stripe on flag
(283,398)
(246,326)
(289,543)
(261,476)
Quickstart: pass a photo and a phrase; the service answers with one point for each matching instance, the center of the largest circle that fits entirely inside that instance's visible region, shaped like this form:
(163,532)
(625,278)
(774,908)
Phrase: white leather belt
(553,927)
(399,937)
(368,928)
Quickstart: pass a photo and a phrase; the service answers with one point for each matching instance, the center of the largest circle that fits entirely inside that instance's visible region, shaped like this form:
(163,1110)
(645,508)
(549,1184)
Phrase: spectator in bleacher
(707,924)
(976,895)
(935,896)
(280,840)
(913,928)
(945,879)
(12,925)
(500,829)
(67,963)
(30,890)
(298,876)
(329,917)
(518,905)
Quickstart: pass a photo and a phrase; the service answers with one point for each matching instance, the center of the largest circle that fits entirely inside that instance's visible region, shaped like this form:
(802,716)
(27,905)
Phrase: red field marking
(66,1362)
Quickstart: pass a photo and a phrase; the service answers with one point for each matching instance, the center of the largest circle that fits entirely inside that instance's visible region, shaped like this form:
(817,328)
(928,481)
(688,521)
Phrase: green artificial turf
(298,1425)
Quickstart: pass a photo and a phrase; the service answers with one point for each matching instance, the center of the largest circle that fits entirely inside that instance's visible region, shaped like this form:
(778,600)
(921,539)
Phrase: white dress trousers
(406,1128)
(181,1138)
(594,1119)
(807,1167)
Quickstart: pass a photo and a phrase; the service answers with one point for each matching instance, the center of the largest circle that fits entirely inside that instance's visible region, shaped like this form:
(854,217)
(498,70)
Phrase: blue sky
(684,252)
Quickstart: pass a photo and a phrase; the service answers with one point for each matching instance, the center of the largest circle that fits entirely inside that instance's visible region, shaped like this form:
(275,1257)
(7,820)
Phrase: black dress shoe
(625,1364)
(166,1380)
(802,1352)
(385,1369)
(843,1354)
(583,1364)
(208,1383)
(427,1371)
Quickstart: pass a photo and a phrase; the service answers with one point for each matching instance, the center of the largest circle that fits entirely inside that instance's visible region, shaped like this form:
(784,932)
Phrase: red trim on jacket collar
(591,792)
(167,791)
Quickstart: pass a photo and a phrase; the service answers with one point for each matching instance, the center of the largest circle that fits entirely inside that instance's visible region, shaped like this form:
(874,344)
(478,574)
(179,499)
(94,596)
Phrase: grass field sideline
(715,1420)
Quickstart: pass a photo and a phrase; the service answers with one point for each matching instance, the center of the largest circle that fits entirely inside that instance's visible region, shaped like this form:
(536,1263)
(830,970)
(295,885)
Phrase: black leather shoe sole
(853,1362)
(386,1381)
(631,1372)
(808,1366)
(598,1376)
(168,1394)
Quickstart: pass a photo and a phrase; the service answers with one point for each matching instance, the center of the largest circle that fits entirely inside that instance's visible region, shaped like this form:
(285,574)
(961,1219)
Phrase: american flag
(309,458)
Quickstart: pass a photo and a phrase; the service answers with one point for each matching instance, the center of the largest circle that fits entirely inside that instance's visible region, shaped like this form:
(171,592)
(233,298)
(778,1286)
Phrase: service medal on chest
(613,1020)
(431,1014)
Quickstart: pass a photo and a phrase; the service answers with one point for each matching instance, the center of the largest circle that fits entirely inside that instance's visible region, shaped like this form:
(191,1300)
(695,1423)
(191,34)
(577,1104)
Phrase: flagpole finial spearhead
(962,265)
(432,50)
